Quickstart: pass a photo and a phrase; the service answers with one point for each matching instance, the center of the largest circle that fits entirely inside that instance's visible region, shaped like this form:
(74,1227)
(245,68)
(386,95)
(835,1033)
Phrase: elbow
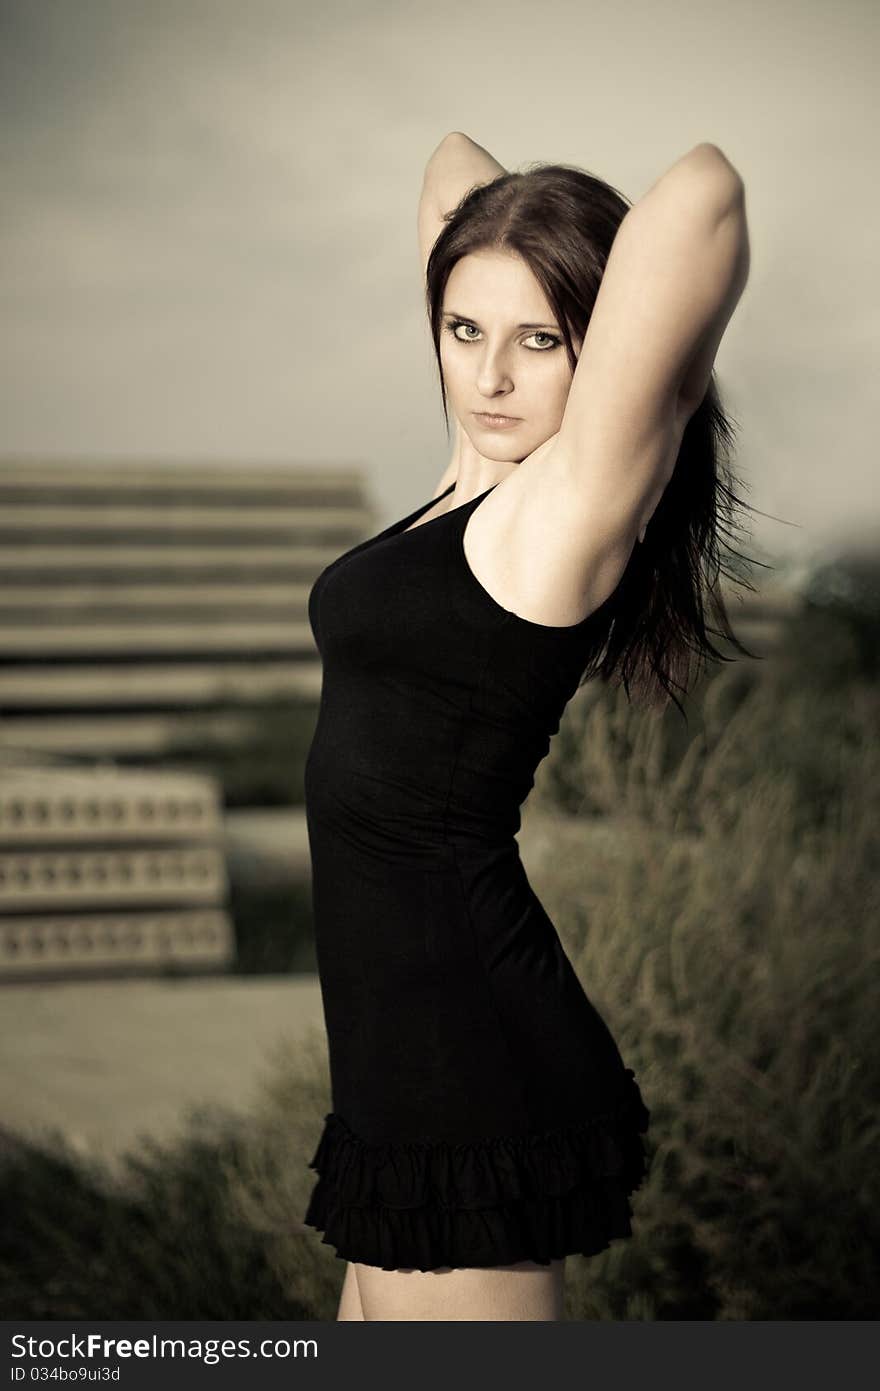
(452,138)
(440,155)
(714,166)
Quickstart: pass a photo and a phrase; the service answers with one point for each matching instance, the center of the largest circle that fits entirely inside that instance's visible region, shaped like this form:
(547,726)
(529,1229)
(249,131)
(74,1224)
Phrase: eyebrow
(451,314)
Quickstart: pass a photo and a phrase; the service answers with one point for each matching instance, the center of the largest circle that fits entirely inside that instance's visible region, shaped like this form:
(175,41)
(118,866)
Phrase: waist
(398,821)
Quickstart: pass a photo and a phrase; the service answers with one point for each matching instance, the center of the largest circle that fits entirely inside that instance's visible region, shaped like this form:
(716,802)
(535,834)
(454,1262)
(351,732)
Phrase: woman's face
(502,352)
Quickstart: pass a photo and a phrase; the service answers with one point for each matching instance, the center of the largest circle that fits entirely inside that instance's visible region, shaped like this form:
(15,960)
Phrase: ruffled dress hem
(429,1205)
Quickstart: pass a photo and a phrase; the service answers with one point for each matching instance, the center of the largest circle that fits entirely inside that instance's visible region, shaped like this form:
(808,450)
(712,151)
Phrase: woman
(483,1123)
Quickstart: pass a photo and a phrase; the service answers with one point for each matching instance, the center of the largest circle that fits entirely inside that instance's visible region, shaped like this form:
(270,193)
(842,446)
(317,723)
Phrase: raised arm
(455,167)
(676,270)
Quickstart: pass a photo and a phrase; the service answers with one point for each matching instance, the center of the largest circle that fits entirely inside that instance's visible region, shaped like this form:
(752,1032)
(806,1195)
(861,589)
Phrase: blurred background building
(154,637)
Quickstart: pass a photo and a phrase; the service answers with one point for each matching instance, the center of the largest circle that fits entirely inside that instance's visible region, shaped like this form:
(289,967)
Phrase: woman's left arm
(676,271)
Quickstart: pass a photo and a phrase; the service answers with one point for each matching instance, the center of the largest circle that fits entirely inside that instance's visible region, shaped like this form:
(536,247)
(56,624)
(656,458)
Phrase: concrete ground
(107,1061)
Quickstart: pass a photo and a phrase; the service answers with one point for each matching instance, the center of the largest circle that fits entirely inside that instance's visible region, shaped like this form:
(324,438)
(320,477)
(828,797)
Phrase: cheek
(556,404)
(555,392)
(557,375)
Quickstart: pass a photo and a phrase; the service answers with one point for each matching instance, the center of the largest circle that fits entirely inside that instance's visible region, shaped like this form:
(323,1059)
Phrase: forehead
(497,284)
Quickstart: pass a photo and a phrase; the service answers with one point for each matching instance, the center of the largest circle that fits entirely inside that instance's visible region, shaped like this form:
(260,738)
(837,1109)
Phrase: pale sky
(208,223)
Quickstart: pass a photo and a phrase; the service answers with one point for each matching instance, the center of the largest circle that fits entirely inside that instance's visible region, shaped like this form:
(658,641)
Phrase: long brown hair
(562,221)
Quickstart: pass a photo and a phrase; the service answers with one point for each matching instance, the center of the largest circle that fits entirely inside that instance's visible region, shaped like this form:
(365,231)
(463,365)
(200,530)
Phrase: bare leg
(521,1291)
(350,1299)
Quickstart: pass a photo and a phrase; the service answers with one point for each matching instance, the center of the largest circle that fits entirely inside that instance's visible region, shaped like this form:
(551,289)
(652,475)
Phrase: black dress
(481,1112)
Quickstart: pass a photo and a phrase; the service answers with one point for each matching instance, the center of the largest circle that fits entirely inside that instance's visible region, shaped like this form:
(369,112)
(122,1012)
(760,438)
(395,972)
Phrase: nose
(493,376)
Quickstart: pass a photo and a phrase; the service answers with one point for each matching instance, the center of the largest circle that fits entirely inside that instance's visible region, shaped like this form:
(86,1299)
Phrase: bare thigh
(349,1310)
(521,1291)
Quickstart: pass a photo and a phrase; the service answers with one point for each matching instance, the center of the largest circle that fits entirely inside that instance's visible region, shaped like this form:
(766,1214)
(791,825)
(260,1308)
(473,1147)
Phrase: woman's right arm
(455,167)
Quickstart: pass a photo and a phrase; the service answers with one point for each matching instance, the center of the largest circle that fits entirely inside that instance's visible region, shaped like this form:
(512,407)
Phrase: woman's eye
(550,340)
